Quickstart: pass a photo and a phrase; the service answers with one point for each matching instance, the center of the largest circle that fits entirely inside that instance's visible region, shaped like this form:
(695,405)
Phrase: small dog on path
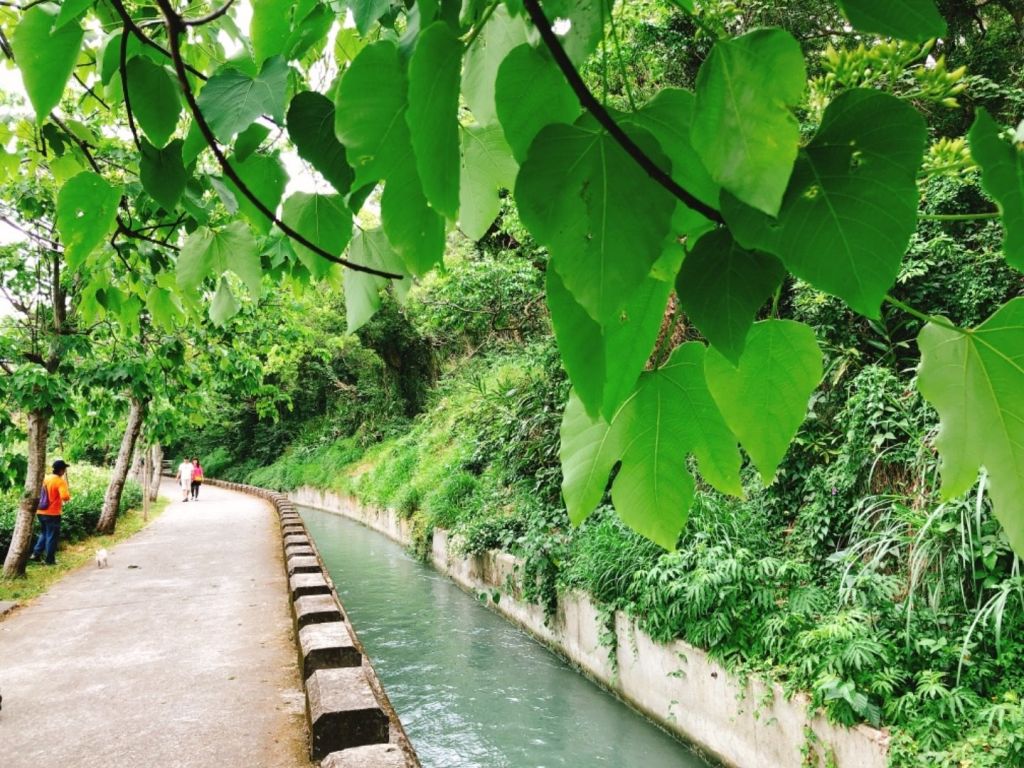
(101,558)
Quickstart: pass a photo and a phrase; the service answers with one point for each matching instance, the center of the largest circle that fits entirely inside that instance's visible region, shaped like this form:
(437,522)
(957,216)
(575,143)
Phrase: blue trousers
(49,537)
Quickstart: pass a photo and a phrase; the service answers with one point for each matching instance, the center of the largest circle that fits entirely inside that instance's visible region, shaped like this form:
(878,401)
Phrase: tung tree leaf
(366,13)
(266,178)
(975,380)
(764,398)
(668,117)
(311,128)
(369,116)
(362,291)
(487,166)
(323,220)
(743,129)
(587,19)
(249,140)
(1002,176)
(433,115)
(598,213)
(500,35)
(86,213)
(309,32)
(224,305)
(154,94)
(671,415)
(915,20)
(414,228)
(589,449)
(530,93)
(231,99)
(851,205)
(211,253)
(70,10)
(163,308)
(269,28)
(721,285)
(604,362)
(46,56)
(163,173)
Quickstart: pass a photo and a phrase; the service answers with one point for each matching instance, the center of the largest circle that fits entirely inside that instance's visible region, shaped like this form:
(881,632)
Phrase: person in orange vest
(52,496)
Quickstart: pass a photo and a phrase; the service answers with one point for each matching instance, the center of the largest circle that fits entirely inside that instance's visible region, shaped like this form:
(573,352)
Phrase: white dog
(101,558)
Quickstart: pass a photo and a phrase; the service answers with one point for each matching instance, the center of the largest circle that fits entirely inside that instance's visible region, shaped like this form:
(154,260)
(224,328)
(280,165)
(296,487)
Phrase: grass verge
(39,578)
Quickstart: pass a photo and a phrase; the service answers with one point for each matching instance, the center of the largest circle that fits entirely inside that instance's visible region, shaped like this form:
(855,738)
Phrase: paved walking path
(180,654)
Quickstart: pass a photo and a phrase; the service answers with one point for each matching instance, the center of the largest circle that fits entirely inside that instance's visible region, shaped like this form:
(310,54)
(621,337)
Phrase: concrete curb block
(351,720)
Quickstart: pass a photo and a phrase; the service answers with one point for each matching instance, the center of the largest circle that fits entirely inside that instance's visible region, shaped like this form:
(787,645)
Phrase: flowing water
(471,689)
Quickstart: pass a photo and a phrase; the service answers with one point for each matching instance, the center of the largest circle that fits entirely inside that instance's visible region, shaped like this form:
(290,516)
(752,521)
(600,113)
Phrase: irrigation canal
(471,689)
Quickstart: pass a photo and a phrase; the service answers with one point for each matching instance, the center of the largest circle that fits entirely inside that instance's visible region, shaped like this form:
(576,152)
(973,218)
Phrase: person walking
(52,495)
(184,478)
(197,478)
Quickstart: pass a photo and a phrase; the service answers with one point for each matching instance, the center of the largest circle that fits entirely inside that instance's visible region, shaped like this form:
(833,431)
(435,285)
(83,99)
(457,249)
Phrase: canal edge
(739,723)
(351,721)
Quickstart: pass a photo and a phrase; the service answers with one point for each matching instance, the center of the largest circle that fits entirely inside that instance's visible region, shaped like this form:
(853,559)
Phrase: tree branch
(213,16)
(592,105)
(146,39)
(175,28)
(122,66)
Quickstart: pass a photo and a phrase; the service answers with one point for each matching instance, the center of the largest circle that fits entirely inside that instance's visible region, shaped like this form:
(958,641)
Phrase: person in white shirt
(184,478)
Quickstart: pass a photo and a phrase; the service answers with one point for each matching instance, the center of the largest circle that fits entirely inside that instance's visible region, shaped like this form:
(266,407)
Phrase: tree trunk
(112,501)
(21,540)
(139,456)
(157,463)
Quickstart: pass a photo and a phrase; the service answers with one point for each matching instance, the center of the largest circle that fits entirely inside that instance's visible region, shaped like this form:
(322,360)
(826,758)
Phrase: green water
(471,689)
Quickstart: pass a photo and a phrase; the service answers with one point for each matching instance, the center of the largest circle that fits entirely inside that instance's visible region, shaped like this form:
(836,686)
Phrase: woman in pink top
(197,478)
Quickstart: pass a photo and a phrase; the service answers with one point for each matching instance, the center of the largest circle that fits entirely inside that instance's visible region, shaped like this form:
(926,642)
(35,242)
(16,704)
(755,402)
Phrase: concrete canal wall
(746,724)
(351,721)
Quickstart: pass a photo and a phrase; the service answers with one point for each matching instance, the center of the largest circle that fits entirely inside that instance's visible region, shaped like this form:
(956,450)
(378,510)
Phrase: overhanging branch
(175,28)
(592,105)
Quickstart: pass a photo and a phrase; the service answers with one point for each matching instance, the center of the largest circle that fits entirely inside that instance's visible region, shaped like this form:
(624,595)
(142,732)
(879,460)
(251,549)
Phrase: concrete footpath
(178,654)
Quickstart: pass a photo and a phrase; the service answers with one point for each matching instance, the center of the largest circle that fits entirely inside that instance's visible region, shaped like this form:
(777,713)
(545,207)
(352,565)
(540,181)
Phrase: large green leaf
(249,140)
(414,228)
(224,305)
(162,173)
(269,28)
(86,212)
(324,221)
(599,214)
(1002,176)
(670,416)
(530,93)
(603,362)
(46,57)
(668,117)
(487,166)
(231,99)
(369,116)
(163,308)
(743,128)
(366,13)
(975,380)
(311,128)
(916,20)
(589,449)
(433,115)
(266,178)
(722,285)
(587,19)
(764,398)
(851,206)
(370,248)
(211,253)
(500,35)
(310,32)
(154,94)
(70,10)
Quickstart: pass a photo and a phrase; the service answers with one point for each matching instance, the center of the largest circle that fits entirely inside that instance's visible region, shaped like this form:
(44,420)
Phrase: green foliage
(80,515)
(86,210)
(155,98)
(980,408)
(46,51)
(232,99)
(1002,174)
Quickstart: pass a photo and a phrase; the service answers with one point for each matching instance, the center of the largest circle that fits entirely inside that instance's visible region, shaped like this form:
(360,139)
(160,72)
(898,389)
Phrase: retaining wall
(747,724)
(351,721)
